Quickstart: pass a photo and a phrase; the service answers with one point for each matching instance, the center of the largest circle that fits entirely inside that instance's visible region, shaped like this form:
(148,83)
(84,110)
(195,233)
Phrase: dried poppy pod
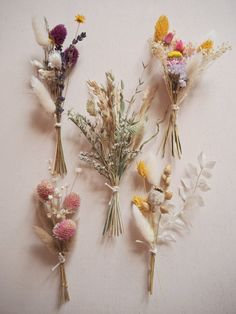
(155,198)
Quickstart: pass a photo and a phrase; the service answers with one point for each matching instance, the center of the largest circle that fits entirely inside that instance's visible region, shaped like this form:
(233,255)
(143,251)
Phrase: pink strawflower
(44,189)
(71,55)
(58,34)
(168,38)
(64,230)
(71,202)
(179,46)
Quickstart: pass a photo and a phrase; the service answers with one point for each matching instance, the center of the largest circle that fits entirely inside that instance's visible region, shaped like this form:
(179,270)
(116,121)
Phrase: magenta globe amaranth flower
(64,230)
(71,55)
(58,34)
(72,202)
(44,189)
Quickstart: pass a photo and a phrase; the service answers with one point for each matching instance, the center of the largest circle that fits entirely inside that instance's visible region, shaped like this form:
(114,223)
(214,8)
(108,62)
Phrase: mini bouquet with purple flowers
(50,85)
(182,64)
(56,208)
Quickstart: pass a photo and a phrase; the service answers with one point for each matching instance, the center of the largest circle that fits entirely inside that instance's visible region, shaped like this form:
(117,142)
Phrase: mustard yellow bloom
(207,45)
(161,28)
(138,201)
(142,169)
(175,54)
(80,18)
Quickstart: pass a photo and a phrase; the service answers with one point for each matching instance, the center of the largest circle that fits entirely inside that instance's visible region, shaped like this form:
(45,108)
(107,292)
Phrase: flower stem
(151,272)
(59,166)
(64,297)
(113,224)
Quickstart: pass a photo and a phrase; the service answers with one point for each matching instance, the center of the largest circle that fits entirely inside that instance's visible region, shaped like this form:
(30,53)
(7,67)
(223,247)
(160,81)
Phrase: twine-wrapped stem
(151,272)
(113,224)
(59,166)
(172,134)
(64,293)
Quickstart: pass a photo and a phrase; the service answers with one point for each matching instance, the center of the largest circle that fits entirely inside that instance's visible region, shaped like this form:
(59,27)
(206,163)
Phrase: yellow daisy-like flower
(80,18)
(175,54)
(142,169)
(207,45)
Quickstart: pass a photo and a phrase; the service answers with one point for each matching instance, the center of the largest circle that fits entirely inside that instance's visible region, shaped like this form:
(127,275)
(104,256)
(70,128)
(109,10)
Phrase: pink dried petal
(44,189)
(168,38)
(71,202)
(64,230)
(179,46)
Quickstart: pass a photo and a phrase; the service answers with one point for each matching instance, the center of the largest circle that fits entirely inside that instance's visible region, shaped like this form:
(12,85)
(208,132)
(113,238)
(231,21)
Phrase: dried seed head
(168,195)
(167,170)
(164,210)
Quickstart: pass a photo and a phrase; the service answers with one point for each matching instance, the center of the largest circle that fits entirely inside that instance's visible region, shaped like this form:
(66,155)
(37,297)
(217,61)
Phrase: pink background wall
(197,274)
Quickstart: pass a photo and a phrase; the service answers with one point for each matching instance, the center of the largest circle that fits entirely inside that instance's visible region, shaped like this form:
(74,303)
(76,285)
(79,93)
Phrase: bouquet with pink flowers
(182,63)
(56,208)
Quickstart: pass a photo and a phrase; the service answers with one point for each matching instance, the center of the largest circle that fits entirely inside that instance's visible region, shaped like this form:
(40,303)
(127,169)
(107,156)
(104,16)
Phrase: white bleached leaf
(202,160)
(167,237)
(210,164)
(40,32)
(179,222)
(206,173)
(182,194)
(43,95)
(203,186)
(193,201)
(143,225)
(187,184)
(192,170)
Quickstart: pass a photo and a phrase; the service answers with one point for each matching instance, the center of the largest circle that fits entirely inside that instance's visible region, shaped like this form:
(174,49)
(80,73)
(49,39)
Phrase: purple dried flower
(178,67)
(71,55)
(58,34)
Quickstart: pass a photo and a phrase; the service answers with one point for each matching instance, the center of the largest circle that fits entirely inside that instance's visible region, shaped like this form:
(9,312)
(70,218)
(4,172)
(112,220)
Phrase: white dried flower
(143,225)
(37,64)
(40,32)
(55,60)
(43,95)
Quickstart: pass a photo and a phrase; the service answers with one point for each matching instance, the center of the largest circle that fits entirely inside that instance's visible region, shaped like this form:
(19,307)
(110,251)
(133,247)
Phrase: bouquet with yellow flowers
(182,63)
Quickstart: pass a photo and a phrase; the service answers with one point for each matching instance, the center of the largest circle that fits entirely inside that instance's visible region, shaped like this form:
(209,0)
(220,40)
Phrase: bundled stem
(64,295)
(151,272)
(113,224)
(172,133)
(59,166)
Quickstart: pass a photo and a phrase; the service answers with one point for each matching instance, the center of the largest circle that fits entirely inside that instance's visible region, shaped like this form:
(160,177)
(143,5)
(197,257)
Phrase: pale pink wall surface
(197,274)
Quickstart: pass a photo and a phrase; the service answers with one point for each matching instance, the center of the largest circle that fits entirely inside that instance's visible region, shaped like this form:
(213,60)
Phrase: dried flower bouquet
(56,209)
(157,219)
(182,63)
(50,85)
(115,136)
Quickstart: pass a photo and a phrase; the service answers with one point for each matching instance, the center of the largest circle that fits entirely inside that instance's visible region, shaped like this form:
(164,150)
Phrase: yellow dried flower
(142,169)
(161,28)
(175,54)
(80,18)
(141,203)
(138,200)
(207,45)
